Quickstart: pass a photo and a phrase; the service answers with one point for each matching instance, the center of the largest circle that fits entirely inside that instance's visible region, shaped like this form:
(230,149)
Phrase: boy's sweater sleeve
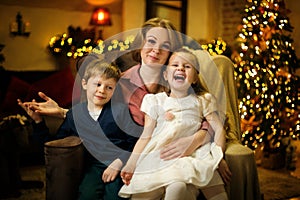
(42,134)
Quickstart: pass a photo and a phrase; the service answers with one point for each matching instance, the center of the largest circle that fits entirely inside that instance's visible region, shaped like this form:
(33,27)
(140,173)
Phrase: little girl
(168,117)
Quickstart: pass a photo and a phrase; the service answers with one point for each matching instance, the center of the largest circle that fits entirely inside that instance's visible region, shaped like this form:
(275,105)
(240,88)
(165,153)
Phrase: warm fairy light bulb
(69,54)
(69,40)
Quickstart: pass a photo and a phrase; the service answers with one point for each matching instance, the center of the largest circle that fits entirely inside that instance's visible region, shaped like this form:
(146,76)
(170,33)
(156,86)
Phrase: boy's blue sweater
(112,136)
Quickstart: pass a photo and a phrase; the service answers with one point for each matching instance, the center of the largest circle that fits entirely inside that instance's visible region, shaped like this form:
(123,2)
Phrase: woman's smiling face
(156,49)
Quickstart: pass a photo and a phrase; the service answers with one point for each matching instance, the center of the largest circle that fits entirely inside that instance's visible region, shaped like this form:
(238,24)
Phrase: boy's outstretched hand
(36,117)
(48,107)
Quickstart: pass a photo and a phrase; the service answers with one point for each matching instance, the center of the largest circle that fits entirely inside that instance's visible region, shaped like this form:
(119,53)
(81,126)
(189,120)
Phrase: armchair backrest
(218,74)
(226,70)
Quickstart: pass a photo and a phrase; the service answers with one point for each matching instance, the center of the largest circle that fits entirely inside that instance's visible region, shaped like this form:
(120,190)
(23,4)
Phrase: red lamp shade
(100,16)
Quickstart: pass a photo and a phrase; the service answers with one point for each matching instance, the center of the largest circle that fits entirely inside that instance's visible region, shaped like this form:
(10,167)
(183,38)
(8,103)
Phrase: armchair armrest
(64,159)
(244,181)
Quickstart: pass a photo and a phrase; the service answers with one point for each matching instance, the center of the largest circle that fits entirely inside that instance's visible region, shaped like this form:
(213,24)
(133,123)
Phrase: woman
(157,40)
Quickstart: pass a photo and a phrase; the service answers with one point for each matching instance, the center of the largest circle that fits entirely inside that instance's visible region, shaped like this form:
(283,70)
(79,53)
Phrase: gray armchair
(61,184)
(240,159)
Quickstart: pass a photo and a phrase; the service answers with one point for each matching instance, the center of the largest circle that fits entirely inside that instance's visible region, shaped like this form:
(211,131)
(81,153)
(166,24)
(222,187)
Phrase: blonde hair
(103,68)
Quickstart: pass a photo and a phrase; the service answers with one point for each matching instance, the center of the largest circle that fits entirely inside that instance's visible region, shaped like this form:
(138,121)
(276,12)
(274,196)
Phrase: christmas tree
(265,65)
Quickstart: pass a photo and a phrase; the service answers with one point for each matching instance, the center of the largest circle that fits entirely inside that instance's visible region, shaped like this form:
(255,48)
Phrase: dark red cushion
(58,86)
(17,89)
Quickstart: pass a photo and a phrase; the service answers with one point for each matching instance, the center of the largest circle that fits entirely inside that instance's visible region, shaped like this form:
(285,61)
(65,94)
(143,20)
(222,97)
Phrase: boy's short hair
(99,67)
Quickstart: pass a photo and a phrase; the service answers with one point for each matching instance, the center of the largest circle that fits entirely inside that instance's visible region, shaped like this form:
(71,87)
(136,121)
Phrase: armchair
(240,159)
(244,184)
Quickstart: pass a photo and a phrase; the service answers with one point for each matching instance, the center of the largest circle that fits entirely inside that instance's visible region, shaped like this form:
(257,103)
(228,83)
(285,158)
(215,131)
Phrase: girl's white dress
(176,117)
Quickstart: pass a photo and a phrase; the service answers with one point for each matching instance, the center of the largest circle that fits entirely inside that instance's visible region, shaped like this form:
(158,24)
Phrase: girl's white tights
(176,191)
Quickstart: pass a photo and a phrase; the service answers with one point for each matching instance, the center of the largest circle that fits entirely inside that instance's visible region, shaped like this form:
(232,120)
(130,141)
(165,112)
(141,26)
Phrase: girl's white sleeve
(149,106)
(208,103)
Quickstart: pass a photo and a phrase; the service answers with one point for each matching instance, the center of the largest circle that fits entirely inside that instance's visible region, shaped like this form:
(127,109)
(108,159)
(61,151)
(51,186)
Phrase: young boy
(101,126)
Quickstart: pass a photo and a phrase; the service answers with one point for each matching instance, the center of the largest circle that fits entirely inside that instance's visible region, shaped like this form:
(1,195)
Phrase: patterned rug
(278,184)
(35,190)
(274,184)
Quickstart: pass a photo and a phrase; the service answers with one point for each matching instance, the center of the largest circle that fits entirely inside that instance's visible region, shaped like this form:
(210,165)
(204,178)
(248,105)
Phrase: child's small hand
(112,171)
(126,174)
(126,177)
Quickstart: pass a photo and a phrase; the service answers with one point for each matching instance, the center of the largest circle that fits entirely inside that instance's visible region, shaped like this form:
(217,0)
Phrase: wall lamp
(100,17)
(19,27)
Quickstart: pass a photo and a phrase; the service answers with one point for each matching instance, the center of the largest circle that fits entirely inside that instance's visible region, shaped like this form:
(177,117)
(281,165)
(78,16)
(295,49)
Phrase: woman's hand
(36,117)
(112,171)
(178,148)
(224,172)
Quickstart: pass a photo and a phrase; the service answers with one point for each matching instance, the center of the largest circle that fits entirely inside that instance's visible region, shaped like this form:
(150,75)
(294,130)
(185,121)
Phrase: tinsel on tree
(265,64)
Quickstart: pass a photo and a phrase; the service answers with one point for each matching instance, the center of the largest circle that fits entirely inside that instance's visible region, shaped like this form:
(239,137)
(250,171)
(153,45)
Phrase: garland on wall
(217,47)
(77,43)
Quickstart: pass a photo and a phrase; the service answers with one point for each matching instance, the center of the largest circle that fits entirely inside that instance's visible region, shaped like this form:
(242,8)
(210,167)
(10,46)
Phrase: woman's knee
(215,192)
